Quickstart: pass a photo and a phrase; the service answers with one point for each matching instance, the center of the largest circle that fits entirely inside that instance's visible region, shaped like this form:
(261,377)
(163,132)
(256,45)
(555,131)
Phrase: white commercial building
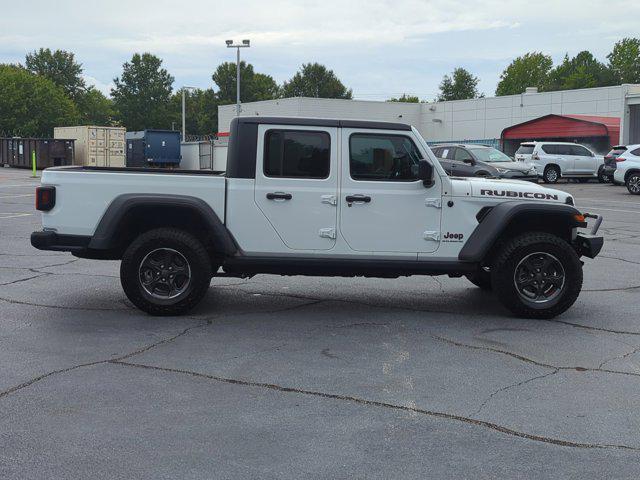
(480,120)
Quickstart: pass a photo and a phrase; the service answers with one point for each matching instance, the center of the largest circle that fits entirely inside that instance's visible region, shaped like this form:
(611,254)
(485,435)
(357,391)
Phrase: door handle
(279,196)
(357,199)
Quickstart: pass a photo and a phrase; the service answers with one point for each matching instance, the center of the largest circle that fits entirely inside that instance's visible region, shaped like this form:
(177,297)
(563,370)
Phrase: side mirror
(425,173)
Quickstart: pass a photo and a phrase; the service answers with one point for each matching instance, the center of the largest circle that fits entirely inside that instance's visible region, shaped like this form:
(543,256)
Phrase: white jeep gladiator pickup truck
(318,197)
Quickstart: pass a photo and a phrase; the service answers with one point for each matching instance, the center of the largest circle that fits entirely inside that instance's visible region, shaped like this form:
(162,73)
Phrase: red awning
(565,126)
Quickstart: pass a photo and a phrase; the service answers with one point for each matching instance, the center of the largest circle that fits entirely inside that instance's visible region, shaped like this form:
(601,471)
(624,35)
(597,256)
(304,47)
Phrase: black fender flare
(105,236)
(494,223)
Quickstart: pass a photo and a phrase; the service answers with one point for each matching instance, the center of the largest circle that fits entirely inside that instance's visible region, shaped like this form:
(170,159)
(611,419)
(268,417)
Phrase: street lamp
(244,44)
(184,112)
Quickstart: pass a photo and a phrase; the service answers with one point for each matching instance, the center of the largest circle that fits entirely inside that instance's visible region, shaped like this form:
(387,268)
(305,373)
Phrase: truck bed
(84,193)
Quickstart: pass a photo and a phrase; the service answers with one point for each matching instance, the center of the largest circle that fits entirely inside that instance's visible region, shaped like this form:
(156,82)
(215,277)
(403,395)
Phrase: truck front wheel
(165,271)
(537,275)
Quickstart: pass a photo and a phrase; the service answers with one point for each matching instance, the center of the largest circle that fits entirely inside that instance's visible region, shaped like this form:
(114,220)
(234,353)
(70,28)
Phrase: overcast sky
(378,48)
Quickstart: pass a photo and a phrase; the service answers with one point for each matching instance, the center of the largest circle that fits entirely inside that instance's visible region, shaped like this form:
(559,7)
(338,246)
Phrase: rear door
(384,208)
(296,184)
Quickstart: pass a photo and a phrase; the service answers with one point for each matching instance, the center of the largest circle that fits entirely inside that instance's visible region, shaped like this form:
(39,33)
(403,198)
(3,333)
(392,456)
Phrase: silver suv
(555,160)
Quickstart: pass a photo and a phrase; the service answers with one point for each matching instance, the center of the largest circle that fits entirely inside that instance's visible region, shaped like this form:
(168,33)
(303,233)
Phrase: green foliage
(405,99)
(60,67)
(253,86)
(461,85)
(315,80)
(624,61)
(95,108)
(529,70)
(201,111)
(31,105)
(142,93)
(581,71)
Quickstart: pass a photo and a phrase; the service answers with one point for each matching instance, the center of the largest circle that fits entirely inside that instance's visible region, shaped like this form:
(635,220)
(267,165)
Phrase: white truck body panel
(83,197)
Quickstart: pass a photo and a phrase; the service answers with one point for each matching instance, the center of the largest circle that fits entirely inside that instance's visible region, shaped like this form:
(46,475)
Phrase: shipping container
(96,146)
(16,152)
(153,147)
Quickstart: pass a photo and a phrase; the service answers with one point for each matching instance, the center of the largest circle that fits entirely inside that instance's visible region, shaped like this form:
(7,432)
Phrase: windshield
(490,155)
(525,149)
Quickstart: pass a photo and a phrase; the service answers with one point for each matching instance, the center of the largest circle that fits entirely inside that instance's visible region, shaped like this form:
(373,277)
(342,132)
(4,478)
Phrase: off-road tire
(481,279)
(517,250)
(189,247)
(548,175)
(632,183)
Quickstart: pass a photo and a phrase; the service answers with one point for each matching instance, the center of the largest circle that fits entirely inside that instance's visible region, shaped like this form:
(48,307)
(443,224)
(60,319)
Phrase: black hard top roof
(324,122)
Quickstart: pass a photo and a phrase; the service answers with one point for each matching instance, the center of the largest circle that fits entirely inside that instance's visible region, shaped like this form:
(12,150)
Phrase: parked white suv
(627,169)
(555,160)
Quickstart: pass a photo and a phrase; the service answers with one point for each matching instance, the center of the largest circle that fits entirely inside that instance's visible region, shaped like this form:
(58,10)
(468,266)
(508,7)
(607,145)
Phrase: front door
(584,160)
(383,205)
(296,184)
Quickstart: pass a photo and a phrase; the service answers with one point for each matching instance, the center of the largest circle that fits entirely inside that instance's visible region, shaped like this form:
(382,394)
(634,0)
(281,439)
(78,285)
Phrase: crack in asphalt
(207,321)
(522,358)
(376,403)
(619,357)
(20,280)
(64,307)
(509,387)
(588,327)
(621,259)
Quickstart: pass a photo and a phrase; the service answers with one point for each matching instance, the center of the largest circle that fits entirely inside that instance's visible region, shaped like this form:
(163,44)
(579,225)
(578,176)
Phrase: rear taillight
(45,198)
(620,159)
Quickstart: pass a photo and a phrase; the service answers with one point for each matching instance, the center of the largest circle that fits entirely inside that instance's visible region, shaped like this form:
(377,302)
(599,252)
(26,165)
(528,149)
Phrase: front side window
(461,155)
(578,150)
(383,157)
(297,154)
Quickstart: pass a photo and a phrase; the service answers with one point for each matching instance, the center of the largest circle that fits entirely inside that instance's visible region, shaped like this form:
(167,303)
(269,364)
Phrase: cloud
(378,47)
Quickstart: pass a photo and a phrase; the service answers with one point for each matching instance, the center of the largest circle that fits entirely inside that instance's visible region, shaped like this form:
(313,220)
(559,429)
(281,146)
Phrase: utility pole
(244,44)
(184,112)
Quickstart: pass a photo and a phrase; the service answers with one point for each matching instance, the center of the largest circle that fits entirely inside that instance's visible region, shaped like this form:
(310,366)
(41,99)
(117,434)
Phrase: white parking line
(18,195)
(607,201)
(637,212)
(4,215)
(25,185)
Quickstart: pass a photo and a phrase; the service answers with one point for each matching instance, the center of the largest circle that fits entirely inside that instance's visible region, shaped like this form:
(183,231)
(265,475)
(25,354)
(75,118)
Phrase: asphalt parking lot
(277,377)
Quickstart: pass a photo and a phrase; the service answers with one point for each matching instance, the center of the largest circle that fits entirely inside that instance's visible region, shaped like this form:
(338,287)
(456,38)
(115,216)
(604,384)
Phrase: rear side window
(297,154)
(636,152)
(525,149)
(383,157)
(550,149)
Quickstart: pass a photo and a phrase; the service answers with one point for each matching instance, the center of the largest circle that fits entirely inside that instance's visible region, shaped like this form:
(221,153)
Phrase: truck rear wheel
(537,275)
(165,272)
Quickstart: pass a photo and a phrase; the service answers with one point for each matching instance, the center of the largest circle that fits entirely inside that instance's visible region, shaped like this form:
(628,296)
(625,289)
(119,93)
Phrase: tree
(95,108)
(253,86)
(581,71)
(31,105)
(141,95)
(60,67)
(405,98)
(201,111)
(624,60)
(315,80)
(460,86)
(529,70)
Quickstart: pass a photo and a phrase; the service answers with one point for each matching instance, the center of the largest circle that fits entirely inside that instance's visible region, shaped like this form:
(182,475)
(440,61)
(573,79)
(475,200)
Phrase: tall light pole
(244,44)
(184,112)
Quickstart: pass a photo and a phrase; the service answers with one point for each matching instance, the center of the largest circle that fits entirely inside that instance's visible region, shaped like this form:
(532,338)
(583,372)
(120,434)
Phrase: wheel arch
(629,172)
(130,215)
(509,219)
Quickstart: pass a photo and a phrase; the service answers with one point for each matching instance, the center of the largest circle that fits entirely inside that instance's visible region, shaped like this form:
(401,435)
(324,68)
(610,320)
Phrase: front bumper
(590,244)
(515,175)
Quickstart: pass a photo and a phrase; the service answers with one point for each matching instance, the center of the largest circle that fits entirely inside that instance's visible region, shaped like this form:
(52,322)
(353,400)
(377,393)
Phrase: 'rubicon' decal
(512,194)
